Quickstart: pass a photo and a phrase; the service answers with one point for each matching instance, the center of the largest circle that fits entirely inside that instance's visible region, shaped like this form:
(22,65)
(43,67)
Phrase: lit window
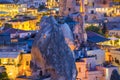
(13,60)
(27,63)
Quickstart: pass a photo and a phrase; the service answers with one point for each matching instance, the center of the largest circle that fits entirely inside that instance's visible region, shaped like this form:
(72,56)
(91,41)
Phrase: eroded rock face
(51,54)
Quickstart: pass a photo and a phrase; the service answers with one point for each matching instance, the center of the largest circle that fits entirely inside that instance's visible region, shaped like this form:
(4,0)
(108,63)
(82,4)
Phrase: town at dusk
(59,39)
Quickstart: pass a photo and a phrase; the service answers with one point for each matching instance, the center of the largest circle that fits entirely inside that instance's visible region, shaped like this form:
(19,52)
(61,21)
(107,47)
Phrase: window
(27,63)
(69,9)
(40,73)
(92,11)
(79,69)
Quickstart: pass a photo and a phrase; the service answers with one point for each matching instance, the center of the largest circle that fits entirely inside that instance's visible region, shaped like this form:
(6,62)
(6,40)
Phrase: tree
(115,75)
(41,7)
(105,30)
(8,25)
(94,29)
(4,76)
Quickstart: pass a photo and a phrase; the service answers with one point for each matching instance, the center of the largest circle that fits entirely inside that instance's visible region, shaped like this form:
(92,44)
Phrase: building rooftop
(13,31)
(114,19)
(13,46)
(94,21)
(4,38)
(115,51)
(109,66)
(9,54)
(116,29)
(95,38)
(6,1)
(22,18)
(112,25)
(2,12)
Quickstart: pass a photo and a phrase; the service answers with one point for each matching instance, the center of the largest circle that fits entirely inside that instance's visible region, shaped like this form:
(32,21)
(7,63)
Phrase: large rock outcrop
(51,53)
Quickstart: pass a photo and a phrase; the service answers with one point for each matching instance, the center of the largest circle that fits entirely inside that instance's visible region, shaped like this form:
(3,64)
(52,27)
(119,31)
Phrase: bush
(41,7)
(94,29)
(8,25)
(115,75)
(4,76)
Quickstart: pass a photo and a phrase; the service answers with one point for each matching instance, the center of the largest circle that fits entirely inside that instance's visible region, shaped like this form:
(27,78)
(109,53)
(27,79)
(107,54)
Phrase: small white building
(89,70)
(16,33)
(114,32)
(36,3)
(99,55)
(33,3)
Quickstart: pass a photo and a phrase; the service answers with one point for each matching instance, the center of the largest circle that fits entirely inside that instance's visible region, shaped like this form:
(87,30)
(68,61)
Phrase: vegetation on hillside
(8,25)
(97,29)
(4,76)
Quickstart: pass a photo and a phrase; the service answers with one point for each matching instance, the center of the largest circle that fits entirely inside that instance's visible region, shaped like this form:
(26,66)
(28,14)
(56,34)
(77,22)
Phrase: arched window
(69,9)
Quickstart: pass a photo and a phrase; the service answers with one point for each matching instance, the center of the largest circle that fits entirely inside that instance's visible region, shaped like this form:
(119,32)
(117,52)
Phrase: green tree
(8,25)
(115,75)
(4,76)
(104,28)
(94,29)
(41,7)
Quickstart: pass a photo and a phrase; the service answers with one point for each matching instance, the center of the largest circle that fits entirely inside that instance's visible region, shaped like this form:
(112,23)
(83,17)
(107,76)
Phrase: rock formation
(53,48)
(51,53)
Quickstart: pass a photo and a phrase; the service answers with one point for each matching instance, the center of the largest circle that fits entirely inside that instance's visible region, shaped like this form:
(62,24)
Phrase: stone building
(88,69)
(9,8)
(70,6)
(52,3)
(16,64)
(24,22)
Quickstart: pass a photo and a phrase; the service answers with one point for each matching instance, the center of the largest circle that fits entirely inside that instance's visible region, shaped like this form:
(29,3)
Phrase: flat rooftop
(9,54)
